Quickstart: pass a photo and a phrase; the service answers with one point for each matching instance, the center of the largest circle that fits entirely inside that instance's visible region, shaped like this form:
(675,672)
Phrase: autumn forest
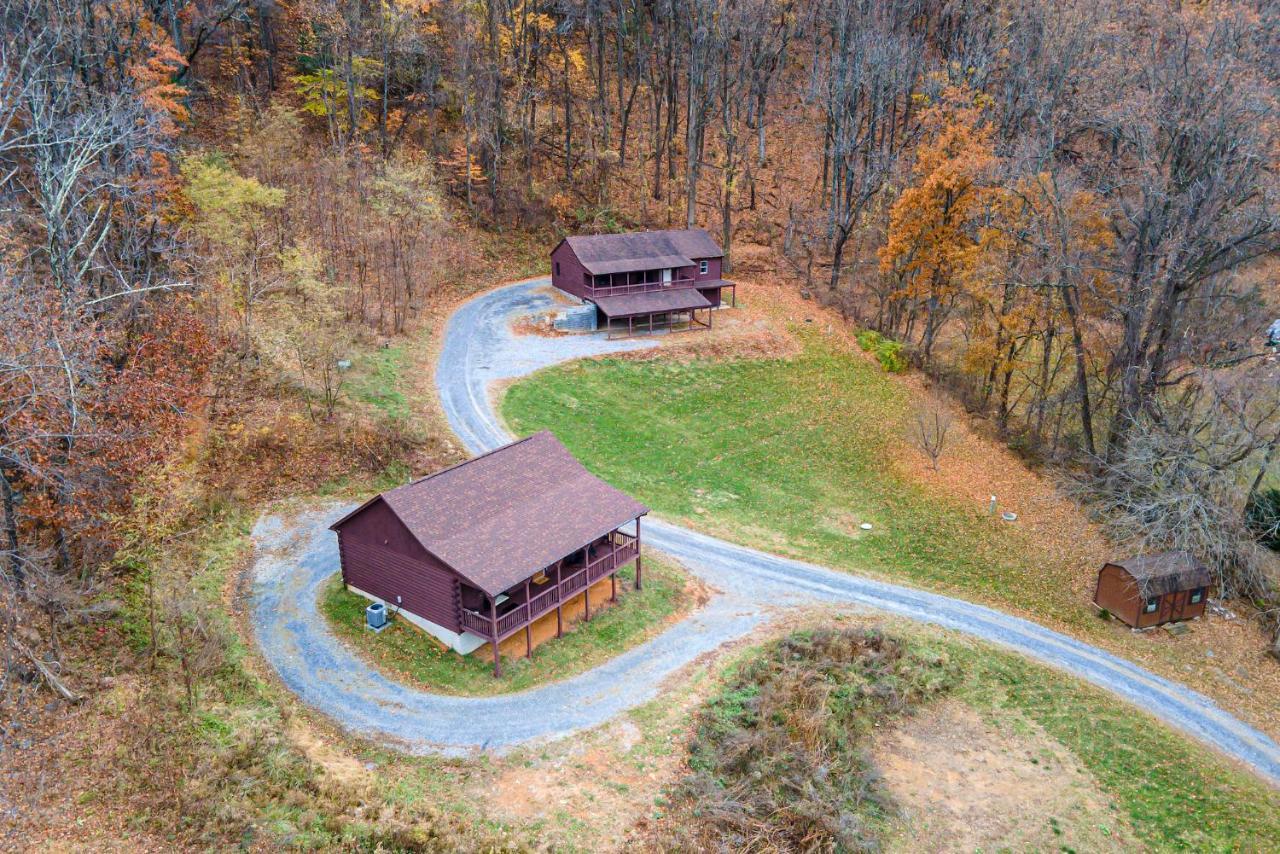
(1064,215)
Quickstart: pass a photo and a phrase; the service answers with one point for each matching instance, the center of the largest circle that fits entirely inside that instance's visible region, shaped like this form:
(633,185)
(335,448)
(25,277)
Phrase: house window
(557,268)
(1197,596)
(702,267)
(1150,607)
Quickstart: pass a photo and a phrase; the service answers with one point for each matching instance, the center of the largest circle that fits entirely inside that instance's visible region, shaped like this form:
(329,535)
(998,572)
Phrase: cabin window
(1150,607)
(702,267)
(557,268)
(1197,596)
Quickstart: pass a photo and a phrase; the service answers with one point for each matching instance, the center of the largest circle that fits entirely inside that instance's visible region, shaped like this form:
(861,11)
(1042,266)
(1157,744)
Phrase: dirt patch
(745,332)
(320,748)
(543,325)
(964,784)
(558,295)
(588,792)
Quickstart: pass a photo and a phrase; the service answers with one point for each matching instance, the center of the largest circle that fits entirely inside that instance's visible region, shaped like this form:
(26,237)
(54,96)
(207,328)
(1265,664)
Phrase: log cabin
(1152,589)
(477,552)
(644,280)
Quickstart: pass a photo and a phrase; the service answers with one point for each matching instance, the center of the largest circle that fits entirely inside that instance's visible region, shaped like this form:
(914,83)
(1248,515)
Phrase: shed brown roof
(500,517)
(1166,572)
(642,250)
(652,302)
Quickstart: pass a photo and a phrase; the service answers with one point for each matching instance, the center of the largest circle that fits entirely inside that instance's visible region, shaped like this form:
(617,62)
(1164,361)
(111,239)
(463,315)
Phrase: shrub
(887,351)
(889,354)
(1263,518)
(869,339)
(777,757)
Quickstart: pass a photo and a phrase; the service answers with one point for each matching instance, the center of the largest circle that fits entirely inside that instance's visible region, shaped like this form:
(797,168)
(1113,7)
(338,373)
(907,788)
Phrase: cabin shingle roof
(642,250)
(500,517)
(652,302)
(1166,572)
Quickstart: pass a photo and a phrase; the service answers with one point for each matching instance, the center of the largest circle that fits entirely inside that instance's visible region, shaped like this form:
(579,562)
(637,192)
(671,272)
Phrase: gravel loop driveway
(480,347)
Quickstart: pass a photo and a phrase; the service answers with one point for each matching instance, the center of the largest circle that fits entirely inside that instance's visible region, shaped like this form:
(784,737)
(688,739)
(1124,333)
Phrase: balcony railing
(640,287)
(624,550)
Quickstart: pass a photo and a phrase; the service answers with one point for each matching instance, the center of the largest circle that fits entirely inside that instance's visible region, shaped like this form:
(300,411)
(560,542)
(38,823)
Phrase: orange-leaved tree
(932,226)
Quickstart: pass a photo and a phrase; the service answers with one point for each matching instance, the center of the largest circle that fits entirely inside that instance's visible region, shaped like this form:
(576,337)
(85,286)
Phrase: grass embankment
(410,655)
(777,759)
(1178,794)
(778,756)
(791,456)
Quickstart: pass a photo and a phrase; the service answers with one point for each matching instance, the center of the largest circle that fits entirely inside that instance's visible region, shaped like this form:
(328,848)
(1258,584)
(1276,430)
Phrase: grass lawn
(790,456)
(1175,794)
(410,655)
(1179,794)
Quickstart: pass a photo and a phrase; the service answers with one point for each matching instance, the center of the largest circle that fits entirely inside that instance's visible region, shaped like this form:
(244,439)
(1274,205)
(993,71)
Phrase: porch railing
(640,287)
(624,550)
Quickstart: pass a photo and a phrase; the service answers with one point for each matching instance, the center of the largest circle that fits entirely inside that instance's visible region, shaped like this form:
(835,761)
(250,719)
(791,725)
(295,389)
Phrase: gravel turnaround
(297,556)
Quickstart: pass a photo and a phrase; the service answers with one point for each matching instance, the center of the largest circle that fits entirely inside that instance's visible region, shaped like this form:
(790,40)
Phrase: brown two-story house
(644,280)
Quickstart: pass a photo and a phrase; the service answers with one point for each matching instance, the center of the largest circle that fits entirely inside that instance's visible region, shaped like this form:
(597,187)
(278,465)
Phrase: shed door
(1178,608)
(1167,607)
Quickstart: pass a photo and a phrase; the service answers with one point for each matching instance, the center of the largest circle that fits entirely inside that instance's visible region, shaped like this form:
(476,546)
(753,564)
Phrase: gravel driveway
(480,347)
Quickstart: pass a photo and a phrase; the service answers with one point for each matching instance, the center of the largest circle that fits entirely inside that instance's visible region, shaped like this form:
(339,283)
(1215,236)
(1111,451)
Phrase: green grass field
(1179,795)
(1175,794)
(410,655)
(789,456)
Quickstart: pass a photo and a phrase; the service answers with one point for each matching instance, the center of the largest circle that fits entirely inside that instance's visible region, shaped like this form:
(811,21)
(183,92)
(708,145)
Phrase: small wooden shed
(1148,590)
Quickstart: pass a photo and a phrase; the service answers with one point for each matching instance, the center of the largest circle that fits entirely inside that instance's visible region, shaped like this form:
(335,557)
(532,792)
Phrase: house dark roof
(652,302)
(500,517)
(642,250)
(1166,572)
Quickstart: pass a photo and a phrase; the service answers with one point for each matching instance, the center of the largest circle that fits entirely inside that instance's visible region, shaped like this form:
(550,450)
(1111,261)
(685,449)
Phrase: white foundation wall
(460,642)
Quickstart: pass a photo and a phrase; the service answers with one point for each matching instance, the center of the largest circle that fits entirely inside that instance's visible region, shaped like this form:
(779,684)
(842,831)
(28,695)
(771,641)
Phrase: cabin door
(666,275)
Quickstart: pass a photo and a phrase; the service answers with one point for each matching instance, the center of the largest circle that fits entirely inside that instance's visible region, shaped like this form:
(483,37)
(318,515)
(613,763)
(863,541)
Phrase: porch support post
(586,591)
(559,600)
(528,620)
(493,634)
(638,585)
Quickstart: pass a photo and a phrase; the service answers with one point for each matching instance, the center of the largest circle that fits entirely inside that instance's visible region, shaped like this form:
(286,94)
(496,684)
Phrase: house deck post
(586,591)
(559,601)
(493,633)
(638,553)
(528,622)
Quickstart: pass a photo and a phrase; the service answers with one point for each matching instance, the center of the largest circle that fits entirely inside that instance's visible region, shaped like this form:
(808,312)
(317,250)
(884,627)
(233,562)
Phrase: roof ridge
(465,462)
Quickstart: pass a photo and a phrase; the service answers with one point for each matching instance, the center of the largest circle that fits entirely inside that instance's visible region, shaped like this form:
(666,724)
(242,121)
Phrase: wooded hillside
(1067,212)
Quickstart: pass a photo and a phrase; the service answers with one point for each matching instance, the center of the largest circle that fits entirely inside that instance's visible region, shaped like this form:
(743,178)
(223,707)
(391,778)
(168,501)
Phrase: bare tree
(929,429)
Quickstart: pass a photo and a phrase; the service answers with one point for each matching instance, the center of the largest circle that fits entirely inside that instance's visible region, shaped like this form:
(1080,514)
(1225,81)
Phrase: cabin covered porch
(580,575)
(655,310)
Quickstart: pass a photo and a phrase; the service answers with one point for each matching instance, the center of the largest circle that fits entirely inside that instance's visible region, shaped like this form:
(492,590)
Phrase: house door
(666,275)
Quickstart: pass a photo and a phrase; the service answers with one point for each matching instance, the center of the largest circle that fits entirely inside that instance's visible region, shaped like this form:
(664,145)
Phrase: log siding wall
(1118,592)
(425,590)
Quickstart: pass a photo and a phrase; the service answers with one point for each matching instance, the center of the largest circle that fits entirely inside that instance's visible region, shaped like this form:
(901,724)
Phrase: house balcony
(621,289)
(542,593)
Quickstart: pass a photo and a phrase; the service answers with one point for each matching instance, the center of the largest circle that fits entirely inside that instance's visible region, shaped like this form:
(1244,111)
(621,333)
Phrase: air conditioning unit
(375,616)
